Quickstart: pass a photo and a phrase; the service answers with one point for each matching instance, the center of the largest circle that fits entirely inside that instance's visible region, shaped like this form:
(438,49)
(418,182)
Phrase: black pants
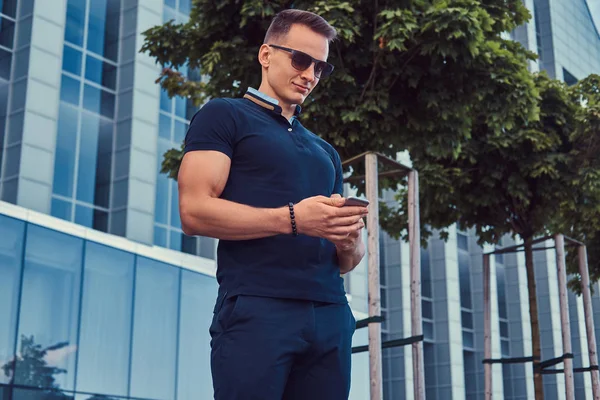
(271,349)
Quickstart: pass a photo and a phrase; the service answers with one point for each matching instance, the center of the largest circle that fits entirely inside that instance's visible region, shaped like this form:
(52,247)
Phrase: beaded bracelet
(292,218)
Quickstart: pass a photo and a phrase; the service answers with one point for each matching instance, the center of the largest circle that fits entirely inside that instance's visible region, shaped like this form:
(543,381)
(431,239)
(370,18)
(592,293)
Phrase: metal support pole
(414,239)
(564,315)
(589,320)
(375,366)
(487,327)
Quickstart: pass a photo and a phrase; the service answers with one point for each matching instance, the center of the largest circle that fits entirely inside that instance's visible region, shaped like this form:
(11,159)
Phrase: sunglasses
(302,61)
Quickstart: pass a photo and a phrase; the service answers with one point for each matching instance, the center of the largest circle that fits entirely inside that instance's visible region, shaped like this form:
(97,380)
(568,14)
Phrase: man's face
(290,85)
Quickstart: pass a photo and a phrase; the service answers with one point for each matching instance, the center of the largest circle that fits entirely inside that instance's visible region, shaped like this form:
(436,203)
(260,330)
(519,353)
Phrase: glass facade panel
(72,60)
(194,377)
(175,240)
(69,90)
(467,319)
(427,309)
(501,285)
(163,183)
(468,339)
(98,101)
(465,279)
(104,164)
(207,247)
(165,101)
(179,132)
(470,371)
(430,370)
(189,244)
(61,209)
(96,24)
(160,236)
(47,332)
(66,142)
(425,273)
(88,156)
(175,220)
(5,60)
(11,255)
(75,21)
(134,333)
(32,394)
(428,330)
(84,216)
(185,6)
(106,303)
(164,126)
(463,241)
(7,32)
(9,7)
(100,72)
(154,330)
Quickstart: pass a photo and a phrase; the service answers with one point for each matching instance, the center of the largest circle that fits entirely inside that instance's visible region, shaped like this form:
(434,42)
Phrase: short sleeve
(212,128)
(339,174)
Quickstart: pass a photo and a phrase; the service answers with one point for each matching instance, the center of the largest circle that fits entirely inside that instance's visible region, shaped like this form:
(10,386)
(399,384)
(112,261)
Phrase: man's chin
(297,99)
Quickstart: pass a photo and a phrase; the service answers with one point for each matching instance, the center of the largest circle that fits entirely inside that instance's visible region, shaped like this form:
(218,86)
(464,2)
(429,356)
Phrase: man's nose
(309,73)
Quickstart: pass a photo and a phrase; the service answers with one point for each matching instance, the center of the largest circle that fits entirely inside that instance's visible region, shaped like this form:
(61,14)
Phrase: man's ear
(264,55)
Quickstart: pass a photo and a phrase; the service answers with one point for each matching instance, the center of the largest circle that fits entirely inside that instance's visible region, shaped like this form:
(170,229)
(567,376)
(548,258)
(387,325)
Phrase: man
(270,190)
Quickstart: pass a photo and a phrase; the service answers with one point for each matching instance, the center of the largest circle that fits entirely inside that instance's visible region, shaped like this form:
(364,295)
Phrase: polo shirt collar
(267,101)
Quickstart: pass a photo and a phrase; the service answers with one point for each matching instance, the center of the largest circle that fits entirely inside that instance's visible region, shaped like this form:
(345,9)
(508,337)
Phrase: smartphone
(355,201)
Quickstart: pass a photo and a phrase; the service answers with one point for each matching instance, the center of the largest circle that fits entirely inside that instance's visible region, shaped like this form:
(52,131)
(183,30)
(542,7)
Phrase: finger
(351,210)
(339,239)
(335,201)
(346,221)
(336,195)
(346,230)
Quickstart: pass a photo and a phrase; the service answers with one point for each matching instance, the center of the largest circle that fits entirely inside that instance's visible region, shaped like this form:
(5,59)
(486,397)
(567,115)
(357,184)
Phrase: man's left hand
(351,249)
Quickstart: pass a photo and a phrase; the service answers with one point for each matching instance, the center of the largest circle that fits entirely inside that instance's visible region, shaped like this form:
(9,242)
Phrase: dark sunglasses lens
(323,69)
(301,61)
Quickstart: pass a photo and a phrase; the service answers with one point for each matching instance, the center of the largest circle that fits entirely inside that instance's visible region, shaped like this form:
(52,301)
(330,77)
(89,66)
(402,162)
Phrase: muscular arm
(202,178)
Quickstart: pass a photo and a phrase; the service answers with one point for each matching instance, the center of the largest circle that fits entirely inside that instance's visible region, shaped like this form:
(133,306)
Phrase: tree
(517,182)
(491,140)
(580,213)
(409,74)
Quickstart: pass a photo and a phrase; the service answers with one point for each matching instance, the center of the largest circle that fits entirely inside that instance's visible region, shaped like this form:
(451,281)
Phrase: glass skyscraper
(103,296)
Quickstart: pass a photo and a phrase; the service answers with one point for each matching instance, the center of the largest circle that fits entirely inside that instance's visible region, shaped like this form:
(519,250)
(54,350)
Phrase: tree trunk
(533,316)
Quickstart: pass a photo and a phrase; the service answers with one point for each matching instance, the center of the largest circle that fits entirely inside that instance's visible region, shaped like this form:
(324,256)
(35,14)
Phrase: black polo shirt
(273,161)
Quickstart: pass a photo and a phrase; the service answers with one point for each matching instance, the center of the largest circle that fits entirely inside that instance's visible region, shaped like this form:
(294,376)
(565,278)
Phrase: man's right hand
(326,217)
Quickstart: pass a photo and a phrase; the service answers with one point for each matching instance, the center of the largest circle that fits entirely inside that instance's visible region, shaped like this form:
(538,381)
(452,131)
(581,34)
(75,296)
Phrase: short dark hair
(283,21)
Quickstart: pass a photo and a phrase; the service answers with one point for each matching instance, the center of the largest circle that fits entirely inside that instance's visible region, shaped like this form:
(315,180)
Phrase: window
(463,241)
(465,279)
(538,35)
(105,321)
(82,177)
(174,116)
(425,273)
(430,370)
(427,301)
(194,377)
(11,253)
(155,330)
(470,370)
(8,10)
(569,78)
(9,7)
(49,307)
